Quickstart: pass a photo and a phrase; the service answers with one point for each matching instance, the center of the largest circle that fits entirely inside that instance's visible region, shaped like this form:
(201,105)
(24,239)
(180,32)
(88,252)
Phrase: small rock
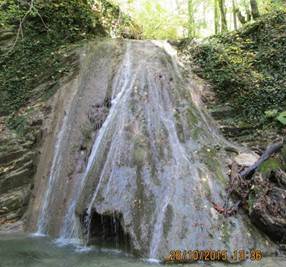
(246,159)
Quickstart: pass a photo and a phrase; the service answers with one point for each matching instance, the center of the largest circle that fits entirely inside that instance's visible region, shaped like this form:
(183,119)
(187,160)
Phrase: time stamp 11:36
(213,255)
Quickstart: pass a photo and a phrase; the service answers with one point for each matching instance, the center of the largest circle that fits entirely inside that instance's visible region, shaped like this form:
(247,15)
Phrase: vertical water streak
(182,161)
(70,230)
(122,101)
(55,168)
(179,156)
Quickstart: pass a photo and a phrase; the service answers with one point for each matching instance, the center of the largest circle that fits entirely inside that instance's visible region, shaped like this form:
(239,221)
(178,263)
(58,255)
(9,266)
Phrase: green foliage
(170,19)
(157,20)
(248,67)
(270,114)
(115,21)
(282,118)
(18,123)
(39,54)
(10,13)
(67,19)
(42,53)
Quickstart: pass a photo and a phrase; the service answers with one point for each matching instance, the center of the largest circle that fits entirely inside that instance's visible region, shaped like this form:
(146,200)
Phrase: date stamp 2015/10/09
(178,256)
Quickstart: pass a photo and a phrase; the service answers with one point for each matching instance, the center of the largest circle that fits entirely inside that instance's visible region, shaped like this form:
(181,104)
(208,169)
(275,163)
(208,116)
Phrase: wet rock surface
(156,144)
(134,146)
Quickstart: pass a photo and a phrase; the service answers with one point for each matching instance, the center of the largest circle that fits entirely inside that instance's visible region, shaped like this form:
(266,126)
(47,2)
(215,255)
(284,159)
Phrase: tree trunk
(240,17)
(248,15)
(254,9)
(223,15)
(192,31)
(216,17)
(234,15)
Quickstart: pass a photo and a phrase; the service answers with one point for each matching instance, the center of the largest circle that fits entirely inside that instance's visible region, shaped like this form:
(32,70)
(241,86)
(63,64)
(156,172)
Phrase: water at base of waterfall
(21,250)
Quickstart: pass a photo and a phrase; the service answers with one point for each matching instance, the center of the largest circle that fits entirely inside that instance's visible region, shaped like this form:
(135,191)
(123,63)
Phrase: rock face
(131,158)
(17,167)
(19,150)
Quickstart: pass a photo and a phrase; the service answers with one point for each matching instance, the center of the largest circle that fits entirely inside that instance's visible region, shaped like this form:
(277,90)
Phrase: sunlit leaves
(169,19)
(158,19)
(282,118)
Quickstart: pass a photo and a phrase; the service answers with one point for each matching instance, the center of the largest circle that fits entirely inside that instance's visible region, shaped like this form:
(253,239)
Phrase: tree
(222,15)
(241,18)
(192,31)
(216,16)
(234,14)
(250,14)
(254,9)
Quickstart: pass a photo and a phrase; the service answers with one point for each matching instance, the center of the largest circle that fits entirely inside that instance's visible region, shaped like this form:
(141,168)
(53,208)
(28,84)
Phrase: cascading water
(70,231)
(56,165)
(148,164)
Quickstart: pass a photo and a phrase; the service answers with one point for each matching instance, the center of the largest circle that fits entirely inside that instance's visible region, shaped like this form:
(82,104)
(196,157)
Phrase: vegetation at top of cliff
(247,67)
(36,38)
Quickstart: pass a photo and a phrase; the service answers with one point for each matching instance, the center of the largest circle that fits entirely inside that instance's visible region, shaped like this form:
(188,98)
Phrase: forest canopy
(173,19)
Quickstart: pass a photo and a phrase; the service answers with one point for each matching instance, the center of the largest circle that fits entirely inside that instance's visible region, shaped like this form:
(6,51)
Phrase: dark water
(27,251)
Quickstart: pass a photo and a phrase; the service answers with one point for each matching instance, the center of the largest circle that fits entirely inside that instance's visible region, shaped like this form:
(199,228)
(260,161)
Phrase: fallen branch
(274,148)
(239,178)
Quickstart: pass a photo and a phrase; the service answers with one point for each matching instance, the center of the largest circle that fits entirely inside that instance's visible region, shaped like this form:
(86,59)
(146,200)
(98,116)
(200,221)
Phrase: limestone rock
(246,159)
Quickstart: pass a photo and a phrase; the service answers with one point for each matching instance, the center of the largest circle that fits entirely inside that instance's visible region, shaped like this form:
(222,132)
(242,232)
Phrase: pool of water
(26,251)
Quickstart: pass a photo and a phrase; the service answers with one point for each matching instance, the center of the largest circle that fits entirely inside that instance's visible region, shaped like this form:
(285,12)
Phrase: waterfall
(148,175)
(69,231)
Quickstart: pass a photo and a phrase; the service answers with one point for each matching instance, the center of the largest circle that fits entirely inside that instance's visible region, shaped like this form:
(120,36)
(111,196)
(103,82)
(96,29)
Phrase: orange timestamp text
(185,256)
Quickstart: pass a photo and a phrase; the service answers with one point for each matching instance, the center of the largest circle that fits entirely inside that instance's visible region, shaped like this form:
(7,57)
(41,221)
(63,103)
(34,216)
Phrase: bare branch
(22,20)
(268,152)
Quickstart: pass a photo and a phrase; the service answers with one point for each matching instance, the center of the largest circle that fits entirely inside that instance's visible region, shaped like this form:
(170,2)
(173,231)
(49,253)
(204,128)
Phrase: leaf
(271,113)
(282,118)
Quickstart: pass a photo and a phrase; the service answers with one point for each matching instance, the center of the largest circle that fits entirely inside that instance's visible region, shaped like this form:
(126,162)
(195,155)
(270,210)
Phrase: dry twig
(22,20)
